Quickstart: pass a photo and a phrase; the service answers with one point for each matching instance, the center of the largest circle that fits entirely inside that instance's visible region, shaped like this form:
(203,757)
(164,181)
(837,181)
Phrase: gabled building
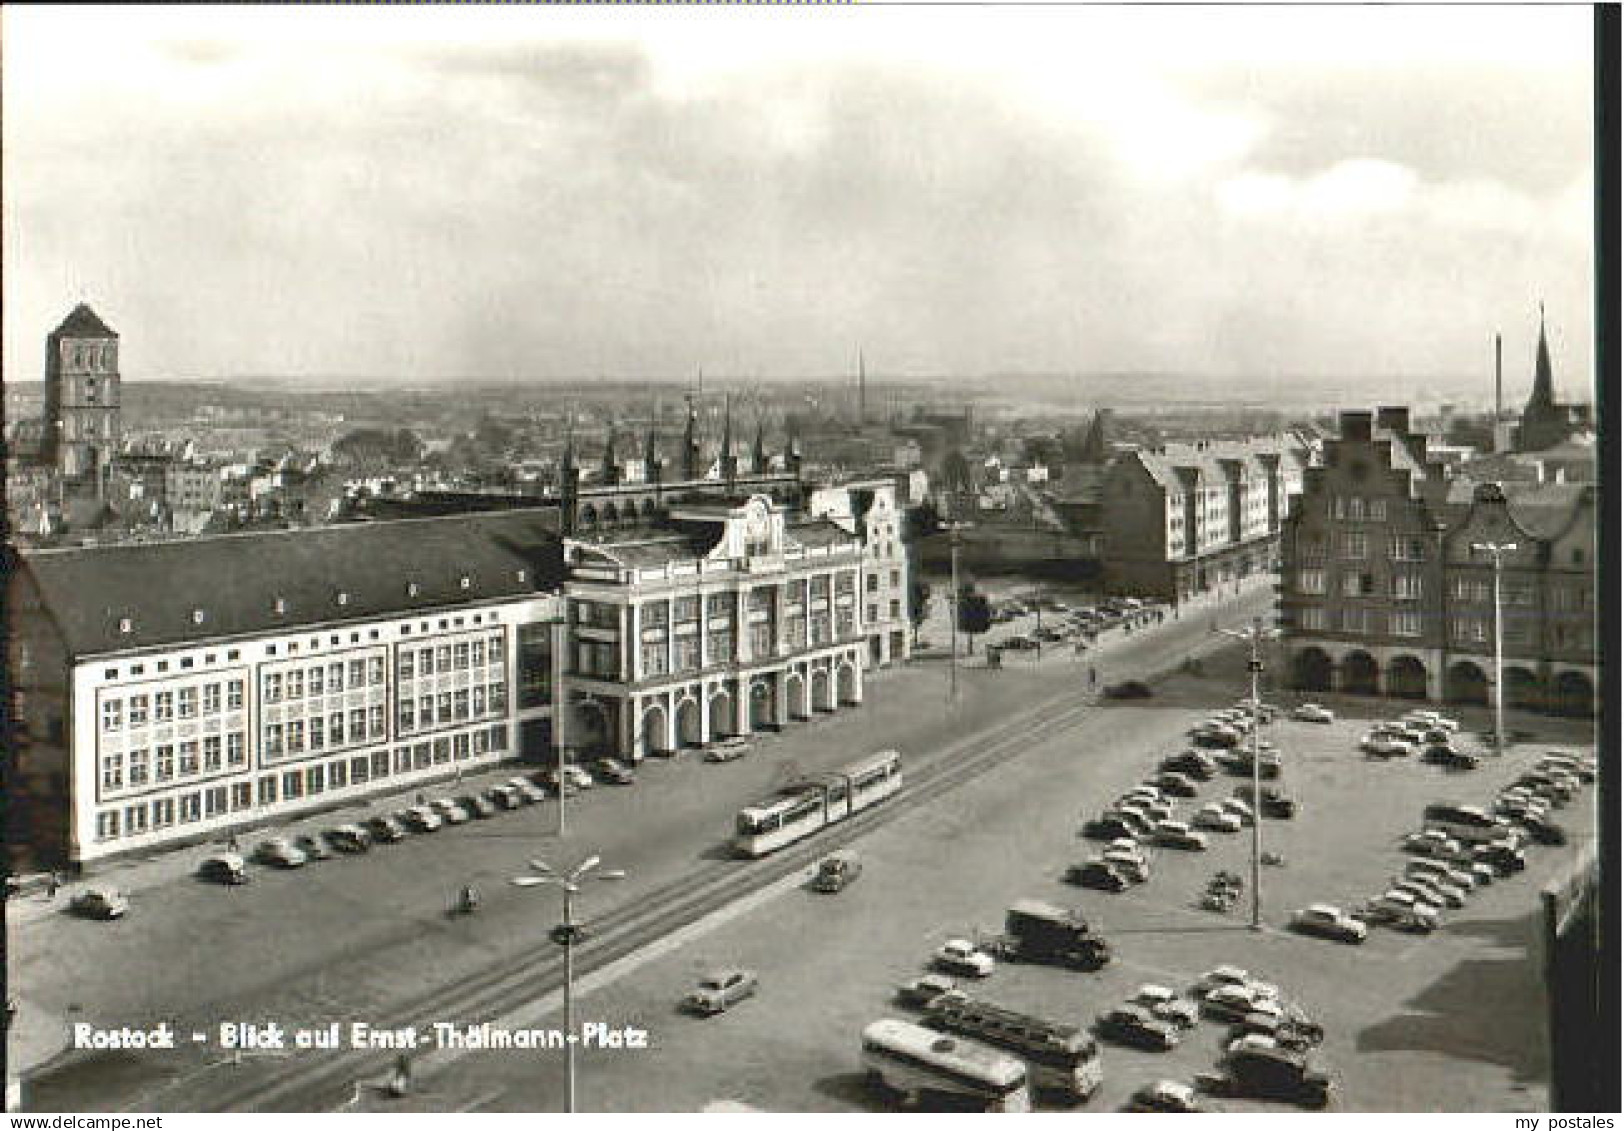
(1382,592)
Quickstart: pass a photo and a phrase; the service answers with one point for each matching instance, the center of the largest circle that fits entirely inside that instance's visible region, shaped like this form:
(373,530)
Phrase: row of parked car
(1433,737)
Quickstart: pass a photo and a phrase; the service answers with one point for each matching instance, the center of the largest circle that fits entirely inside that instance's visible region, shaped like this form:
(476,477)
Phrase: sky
(1260,198)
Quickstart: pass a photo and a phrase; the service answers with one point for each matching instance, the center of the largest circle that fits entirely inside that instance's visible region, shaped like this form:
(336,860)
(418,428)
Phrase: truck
(1269,1074)
(1035,931)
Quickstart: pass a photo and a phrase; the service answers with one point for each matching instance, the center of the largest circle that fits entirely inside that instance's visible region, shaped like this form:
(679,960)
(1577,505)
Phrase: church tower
(1544,421)
(83,429)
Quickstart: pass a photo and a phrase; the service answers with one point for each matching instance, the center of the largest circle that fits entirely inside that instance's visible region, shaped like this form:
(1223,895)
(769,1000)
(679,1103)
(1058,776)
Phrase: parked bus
(922,1063)
(1061,1059)
(807,806)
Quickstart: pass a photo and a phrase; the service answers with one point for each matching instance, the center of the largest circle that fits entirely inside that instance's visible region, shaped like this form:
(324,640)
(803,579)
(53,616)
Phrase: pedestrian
(1093,676)
(231,843)
(421,800)
(53,884)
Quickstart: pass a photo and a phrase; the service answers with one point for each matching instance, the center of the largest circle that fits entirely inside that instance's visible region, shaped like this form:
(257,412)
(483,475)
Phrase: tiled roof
(1546,510)
(236,580)
(82,322)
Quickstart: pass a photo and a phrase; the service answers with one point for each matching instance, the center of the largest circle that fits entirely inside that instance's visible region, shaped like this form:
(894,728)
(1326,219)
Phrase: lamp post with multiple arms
(1254,636)
(565,935)
(1497,550)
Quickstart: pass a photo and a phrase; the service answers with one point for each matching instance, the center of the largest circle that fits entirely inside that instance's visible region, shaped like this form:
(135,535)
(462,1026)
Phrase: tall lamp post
(565,935)
(953,650)
(1496,551)
(1254,637)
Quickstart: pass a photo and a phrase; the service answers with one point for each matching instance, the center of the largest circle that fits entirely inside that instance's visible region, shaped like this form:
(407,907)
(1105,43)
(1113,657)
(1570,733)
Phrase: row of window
(169,761)
(142,708)
(329,679)
(1356,544)
(460,656)
(429,711)
(292,785)
(1468,629)
(602,661)
(296,736)
(1354,508)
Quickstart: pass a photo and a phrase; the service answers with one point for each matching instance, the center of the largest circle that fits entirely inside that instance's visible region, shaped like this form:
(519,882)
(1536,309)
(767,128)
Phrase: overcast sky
(1281,195)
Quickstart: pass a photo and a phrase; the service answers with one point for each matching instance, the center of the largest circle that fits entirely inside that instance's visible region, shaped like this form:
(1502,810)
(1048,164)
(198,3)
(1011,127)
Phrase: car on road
(1136,1027)
(1326,921)
(958,956)
(421,819)
(1129,689)
(99,903)
(727,750)
(1166,1005)
(1213,816)
(614,771)
(1100,875)
(837,872)
(1313,713)
(224,868)
(450,811)
(720,990)
(921,991)
(1166,1096)
(1176,834)
(384,830)
(1176,785)
(352,839)
(314,847)
(280,852)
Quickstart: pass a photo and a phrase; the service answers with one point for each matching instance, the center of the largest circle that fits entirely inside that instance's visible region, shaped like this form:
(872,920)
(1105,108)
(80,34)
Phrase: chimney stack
(1499,402)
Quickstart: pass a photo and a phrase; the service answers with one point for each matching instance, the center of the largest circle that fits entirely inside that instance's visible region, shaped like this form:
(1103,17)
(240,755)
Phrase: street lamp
(1497,550)
(565,935)
(953,651)
(1254,636)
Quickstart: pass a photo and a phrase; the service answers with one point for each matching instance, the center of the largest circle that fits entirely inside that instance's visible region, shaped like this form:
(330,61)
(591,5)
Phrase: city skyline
(1054,191)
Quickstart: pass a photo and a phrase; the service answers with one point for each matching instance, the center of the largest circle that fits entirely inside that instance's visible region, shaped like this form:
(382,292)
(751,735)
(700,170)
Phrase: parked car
(1274,803)
(1166,1005)
(1097,874)
(1542,830)
(1213,816)
(1399,914)
(1176,834)
(476,806)
(1432,890)
(578,777)
(1329,922)
(921,991)
(721,990)
(958,956)
(527,789)
(1221,976)
(1231,1002)
(727,750)
(1166,1096)
(1438,845)
(1238,809)
(1130,864)
(1191,764)
(451,812)
(352,839)
(224,868)
(314,847)
(504,797)
(614,771)
(99,903)
(1459,877)
(1386,746)
(1111,826)
(1135,1026)
(1313,713)
(384,830)
(1503,860)
(1177,785)
(421,819)
(279,852)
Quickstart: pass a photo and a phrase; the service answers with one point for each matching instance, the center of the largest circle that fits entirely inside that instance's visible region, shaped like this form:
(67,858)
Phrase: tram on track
(800,810)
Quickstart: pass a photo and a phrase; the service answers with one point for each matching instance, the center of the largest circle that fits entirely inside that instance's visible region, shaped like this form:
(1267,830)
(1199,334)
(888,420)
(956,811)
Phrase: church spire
(611,469)
(1544,392)
(759,454)
(690,443)
(730,462)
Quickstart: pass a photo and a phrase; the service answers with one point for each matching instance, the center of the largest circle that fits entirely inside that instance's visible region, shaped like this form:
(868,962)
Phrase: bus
(922,1063)
(1061,1059)
(802,809)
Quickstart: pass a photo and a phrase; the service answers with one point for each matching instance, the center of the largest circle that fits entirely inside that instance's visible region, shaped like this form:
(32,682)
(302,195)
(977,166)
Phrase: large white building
(179,690)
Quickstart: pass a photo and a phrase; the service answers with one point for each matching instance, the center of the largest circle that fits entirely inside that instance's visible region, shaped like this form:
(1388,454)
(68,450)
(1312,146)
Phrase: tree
(918,605)
(975,613)
(921,521)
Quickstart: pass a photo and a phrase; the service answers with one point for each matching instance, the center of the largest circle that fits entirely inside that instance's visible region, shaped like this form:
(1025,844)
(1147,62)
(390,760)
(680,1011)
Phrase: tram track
(324,1081)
